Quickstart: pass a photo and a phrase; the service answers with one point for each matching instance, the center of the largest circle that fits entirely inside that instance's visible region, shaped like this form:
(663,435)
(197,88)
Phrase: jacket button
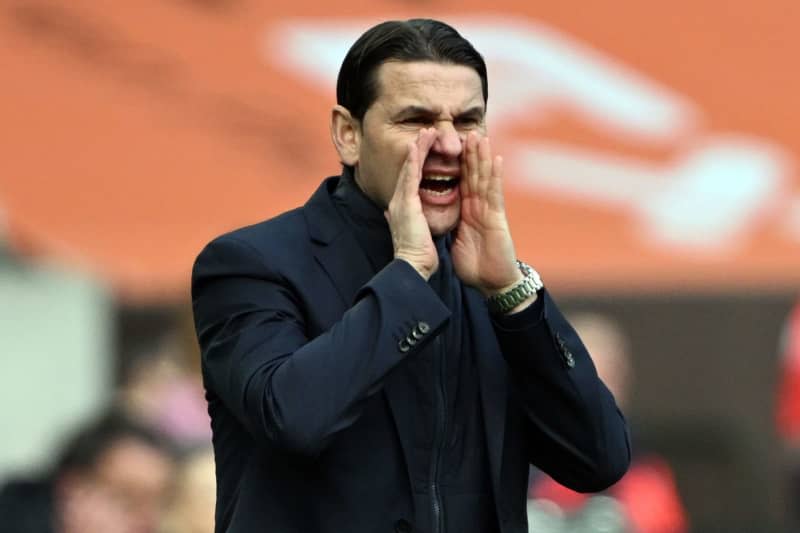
(560,340)
(411,340)
(403,346)
(402,526)
(423,327)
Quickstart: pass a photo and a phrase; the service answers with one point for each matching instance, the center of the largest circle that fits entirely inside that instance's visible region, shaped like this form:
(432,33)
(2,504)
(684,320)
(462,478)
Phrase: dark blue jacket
(299,341)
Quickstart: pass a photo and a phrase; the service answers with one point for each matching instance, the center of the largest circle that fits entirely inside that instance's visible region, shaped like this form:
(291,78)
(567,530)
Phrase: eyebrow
(474,112)
(415,110)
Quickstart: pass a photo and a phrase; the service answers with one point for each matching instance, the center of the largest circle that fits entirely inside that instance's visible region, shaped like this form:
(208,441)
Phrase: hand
(483,252)
(411,236)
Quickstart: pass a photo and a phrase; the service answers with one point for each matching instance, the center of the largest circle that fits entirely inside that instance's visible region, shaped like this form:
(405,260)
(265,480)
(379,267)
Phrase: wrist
(519,295)
(422,269)
(489,292)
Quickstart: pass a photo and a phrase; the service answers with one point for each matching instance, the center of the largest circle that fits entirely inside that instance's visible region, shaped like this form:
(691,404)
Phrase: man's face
(412,96)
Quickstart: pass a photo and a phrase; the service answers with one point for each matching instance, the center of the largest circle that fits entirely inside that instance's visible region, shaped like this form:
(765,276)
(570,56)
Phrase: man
(377,360)
(112,476)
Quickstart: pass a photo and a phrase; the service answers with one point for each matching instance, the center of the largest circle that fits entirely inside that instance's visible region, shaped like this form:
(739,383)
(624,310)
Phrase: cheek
(386,161)
(382,154)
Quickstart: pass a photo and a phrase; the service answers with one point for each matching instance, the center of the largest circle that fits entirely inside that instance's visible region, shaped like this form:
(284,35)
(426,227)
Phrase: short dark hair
(398,40)
(89,444)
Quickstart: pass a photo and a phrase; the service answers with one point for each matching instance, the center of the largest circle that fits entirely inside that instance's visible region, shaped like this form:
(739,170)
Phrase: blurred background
(651,154)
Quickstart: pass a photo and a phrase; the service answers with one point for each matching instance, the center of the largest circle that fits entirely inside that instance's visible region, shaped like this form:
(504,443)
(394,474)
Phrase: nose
(448,140)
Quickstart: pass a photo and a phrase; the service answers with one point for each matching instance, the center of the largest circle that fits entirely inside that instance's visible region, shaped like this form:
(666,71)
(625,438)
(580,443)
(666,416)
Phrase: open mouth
(439,185)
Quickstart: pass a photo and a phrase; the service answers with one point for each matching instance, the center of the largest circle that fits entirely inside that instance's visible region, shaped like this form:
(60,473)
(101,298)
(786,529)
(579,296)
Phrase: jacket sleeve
(577,434)
(286,388)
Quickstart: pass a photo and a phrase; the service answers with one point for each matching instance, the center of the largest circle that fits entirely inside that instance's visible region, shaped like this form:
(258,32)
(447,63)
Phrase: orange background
(133,132)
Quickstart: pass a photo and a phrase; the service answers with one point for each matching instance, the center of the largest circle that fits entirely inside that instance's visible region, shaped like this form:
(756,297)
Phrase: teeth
(436,193)
(436,177)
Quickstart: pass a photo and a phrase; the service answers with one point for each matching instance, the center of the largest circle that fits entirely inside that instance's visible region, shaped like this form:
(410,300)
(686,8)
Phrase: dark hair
(90,443)
(397,40)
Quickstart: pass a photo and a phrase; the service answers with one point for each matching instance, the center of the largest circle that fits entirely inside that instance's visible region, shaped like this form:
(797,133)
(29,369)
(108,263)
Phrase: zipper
(440,436)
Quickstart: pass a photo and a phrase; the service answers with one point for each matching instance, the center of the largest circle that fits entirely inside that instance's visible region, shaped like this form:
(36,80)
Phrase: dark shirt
(27,507)
(449,463)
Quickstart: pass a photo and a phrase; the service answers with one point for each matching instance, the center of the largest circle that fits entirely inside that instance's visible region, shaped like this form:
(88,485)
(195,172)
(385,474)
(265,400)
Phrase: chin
(442,223)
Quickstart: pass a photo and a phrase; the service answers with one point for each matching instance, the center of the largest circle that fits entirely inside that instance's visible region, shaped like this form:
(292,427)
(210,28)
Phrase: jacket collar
(324,222)
(335,248)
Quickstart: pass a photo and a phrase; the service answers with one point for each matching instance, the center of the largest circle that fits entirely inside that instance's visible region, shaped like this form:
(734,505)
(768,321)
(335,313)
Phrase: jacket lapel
(338,253)
(335,248)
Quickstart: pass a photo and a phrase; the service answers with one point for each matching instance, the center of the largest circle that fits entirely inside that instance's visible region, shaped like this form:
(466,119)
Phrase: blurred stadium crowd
(141,463)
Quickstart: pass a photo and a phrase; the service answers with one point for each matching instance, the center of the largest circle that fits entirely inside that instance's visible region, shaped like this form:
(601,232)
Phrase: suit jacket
(310,424)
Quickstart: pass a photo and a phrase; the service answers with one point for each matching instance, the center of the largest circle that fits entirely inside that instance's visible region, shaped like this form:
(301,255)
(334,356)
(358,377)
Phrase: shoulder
(285,232)
(278,246)
(288,227)
(262,243)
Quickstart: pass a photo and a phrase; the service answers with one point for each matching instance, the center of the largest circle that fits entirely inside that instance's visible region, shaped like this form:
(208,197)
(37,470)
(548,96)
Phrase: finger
(425,141)
(472,161)
(484,167)
(407,171)
(411,175)
(484,158)
(496,198)
(497,168)
(464,185)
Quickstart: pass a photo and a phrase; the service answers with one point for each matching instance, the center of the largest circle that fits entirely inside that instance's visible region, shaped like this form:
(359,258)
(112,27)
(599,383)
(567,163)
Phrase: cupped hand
(483,251)
(411,236)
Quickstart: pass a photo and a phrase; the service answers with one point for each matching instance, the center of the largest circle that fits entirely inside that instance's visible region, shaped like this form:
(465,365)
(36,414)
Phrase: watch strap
(507,300)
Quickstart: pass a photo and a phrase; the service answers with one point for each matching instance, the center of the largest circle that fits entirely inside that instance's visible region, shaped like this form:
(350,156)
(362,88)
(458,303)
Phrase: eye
(416,121)
(467,122)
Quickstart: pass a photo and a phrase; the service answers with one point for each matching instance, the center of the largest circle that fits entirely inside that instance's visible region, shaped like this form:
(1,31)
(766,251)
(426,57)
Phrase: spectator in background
(788,404)
(191,508)
(646,499)
(112,477)
(162,386)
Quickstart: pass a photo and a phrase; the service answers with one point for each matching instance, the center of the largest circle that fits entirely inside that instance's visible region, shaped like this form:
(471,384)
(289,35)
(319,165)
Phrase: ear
(346,135)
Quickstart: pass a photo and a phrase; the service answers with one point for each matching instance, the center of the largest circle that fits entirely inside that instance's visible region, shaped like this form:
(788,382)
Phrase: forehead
(131,461)
(428,83)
